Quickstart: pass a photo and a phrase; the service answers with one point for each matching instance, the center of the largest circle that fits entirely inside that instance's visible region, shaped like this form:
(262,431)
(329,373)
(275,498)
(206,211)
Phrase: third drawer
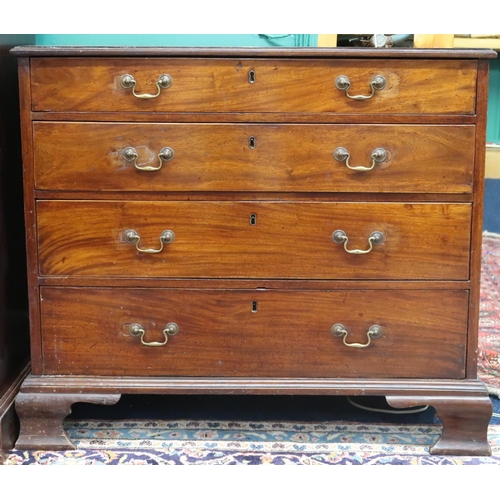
(303,240)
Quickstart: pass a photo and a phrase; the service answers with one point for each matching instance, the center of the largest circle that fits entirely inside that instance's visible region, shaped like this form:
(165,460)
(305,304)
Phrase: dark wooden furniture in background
(14,333)
(254,221)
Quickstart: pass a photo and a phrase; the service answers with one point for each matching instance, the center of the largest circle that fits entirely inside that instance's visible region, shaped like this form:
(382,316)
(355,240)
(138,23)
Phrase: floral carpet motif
(189,442)
(489,319)
(186,442)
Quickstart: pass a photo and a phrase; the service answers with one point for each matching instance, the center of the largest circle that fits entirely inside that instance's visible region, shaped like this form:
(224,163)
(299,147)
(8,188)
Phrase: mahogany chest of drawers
(256,221)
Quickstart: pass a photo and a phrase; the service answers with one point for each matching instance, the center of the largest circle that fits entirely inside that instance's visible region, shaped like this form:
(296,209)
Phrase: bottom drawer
(254,333)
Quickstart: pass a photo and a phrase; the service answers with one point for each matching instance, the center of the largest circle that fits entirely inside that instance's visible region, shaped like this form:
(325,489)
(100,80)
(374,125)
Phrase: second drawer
(303,240)
(236,157)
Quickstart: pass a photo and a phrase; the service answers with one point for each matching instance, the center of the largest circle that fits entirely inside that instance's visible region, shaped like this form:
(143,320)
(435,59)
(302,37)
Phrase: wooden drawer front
(222,85)
(86,332)
(217,157)
(287,239)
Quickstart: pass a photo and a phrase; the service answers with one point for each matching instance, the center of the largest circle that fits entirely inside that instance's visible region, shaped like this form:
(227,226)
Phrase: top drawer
(254,85)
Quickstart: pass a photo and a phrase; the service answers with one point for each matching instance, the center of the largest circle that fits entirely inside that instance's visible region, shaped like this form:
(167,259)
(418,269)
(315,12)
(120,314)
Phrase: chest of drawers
(254,221)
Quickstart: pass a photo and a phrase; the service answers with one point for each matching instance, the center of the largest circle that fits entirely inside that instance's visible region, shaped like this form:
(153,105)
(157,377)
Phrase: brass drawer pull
(130,154)
(342,82)
(376,238)
(378,155)
(135,329)
(163,82)
(374,332)
(132,237)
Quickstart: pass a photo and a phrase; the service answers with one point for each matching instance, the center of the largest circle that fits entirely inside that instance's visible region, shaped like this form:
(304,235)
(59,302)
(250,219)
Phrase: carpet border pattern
(184,442)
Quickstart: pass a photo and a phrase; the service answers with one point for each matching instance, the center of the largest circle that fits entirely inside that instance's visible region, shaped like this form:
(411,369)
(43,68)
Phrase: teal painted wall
(493,126)
(246,40)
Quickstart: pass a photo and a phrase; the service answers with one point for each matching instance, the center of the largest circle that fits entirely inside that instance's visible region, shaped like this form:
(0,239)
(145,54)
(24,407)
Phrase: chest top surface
(323,52)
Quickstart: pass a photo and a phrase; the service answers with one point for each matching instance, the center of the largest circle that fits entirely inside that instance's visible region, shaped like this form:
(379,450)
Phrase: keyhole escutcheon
(251,76)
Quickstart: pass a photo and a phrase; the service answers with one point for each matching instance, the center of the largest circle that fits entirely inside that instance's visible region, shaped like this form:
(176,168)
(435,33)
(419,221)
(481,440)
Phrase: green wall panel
(227,40)
(493,126)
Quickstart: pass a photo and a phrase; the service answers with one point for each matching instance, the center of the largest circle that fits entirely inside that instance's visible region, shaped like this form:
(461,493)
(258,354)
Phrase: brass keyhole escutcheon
(253,219)
(255,306)
(251,76)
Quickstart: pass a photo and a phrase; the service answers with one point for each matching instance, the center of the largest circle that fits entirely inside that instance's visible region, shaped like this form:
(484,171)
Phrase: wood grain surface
(288,240)
(283,158)
(87,331)
(222,85)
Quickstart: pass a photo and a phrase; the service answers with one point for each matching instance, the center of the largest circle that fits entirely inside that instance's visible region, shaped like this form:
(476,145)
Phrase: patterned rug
(489,321)
(198,442)
(201,442)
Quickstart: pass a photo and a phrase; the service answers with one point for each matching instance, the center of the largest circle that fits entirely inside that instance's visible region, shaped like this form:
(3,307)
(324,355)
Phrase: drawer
(254,239)
(253,333)
(222,157)
(253,85)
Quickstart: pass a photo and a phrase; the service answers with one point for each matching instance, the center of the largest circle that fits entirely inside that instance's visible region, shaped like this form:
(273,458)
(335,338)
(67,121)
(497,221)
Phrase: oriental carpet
(219,441)
(249,443)
(489,320)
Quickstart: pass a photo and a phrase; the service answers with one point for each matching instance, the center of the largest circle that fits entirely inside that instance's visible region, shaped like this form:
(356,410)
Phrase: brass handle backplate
(136,330)
(376,238)
(342,82)
(132,237)
(163,82)
(378,155)
(130,154)
(374,332)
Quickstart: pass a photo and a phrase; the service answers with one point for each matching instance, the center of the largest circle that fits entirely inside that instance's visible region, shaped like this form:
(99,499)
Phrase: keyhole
(253,219)
(251,142)
(254,306)
(251,76)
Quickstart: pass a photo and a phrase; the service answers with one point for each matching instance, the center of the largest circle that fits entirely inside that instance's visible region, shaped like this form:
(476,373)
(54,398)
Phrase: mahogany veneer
(287,335)
(217,240)
(253,290)
(220,85)
(216,157)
